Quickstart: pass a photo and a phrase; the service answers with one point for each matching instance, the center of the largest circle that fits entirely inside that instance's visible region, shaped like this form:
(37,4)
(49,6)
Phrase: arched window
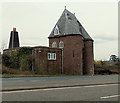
(61,44)
(54,45)
(56,30)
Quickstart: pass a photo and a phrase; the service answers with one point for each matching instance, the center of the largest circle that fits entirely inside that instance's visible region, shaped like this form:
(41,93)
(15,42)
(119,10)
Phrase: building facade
(70,49)
(77,45)
(47,60)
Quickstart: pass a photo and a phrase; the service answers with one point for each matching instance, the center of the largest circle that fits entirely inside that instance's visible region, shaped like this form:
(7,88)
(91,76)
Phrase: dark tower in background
(14,39)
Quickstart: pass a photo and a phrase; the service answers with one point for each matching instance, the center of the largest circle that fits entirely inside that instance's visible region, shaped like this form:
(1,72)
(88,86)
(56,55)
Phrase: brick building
(76,43)
(70,49)
(47,60)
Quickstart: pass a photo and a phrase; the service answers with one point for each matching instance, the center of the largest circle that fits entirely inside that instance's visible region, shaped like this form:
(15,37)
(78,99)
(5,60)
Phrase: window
(69,17)
(67,14)
(56,30)
(51,56)
(54,45)
(61,44)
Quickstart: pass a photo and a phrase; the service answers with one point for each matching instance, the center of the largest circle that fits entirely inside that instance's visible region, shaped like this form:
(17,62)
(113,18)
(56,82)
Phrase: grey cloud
(104,38)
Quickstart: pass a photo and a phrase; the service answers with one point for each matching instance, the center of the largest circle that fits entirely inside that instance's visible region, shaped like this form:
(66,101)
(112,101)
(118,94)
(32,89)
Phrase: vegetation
(106,67)
(114,58)
(19,63)
(19,60)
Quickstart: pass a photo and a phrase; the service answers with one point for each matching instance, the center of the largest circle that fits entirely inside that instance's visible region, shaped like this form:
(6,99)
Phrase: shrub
(24,50)
(26,62)
(20,59)
(6,60)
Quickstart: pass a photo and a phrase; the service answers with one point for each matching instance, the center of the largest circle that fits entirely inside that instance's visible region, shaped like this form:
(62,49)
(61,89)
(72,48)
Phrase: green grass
(5,75)
(21,75)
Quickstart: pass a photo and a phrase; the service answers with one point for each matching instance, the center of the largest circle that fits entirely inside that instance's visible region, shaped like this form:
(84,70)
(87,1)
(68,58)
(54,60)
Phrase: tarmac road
(90,88)
(36,82)
(80,93)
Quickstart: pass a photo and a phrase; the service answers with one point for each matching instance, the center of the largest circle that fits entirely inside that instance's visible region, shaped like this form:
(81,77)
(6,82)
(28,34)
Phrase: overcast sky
(35,20)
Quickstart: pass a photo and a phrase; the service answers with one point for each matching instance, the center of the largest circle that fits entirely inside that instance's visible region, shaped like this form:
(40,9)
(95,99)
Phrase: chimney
(14,39)
(14,29)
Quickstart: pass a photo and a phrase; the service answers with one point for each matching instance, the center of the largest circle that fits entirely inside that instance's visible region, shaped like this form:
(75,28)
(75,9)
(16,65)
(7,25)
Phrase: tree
(3,45)
(113,58)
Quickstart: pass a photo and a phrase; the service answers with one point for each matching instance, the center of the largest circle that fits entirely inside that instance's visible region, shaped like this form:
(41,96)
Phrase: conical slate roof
(69,25)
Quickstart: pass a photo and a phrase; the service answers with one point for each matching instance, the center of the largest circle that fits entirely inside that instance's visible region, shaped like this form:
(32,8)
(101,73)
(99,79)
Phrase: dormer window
(68,16)
(56,30)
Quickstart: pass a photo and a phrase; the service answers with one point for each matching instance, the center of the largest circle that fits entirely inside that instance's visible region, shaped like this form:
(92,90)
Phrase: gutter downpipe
(62,61)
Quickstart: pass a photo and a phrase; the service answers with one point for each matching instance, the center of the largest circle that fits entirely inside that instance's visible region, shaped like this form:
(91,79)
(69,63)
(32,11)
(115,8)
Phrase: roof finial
(65,7)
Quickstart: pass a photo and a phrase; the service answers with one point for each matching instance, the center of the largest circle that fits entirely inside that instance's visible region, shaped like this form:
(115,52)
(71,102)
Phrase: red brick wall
(88,59)
(41,63)
(73,44)
(10,51)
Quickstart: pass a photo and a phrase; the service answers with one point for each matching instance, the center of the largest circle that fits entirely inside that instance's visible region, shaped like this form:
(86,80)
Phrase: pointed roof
(69,25)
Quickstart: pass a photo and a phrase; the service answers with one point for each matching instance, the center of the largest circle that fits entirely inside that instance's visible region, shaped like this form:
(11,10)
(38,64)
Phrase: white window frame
(51,56)
(61,44)
(54,45)
(56,30)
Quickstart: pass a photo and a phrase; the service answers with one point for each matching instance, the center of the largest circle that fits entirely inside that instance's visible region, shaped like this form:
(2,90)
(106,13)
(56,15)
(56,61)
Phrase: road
(79,93)
(86,92)
(29,82)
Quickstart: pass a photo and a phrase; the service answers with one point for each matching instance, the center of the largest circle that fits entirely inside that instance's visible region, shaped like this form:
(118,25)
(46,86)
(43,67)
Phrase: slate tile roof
(68,24)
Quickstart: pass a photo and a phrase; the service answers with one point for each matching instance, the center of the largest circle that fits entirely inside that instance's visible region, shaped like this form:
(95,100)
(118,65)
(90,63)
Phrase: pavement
(30,83)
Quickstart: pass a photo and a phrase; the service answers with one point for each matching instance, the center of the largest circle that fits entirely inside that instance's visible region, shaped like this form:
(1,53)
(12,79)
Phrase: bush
(24,51)
(14,71)
(25,58)
(105,71)
(106,67)
(6,60)
(26,62)
(20,59)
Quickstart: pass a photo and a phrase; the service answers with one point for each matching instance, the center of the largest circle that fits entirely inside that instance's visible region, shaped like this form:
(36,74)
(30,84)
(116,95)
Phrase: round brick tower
(88,60)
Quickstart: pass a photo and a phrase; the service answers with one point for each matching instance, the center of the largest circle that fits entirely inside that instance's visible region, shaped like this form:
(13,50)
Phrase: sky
(34,22)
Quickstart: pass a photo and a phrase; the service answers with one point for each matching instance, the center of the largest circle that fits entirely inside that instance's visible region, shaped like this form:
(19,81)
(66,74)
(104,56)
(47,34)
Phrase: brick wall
(88,59)
(72,53)
(10,51)
(42,65)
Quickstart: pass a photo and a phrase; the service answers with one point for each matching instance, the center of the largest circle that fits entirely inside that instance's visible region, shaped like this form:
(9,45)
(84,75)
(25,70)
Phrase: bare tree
(3,46)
